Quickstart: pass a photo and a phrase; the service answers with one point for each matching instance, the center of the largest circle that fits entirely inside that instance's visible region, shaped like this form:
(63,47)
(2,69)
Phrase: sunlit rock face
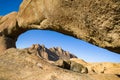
(51,54)
(95,21)
(19,64)
(8,24)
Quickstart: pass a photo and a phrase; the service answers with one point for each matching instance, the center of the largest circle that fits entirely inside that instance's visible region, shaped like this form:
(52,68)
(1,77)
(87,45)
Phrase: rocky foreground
(28,64)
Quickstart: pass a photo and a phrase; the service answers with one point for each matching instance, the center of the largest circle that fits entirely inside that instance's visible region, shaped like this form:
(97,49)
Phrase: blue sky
(7,6)
(80,48)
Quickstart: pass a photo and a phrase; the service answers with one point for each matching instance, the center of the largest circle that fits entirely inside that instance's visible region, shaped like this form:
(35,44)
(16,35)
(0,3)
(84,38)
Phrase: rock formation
(16,64)
(77,67)
(52,54)
(71,65)
(95,21)
(99,68)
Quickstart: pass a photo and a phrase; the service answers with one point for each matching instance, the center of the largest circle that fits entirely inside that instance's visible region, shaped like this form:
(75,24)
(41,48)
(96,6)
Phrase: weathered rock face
(95,21)
(105,68)
(52,54)
(71,65)
(99,68)
(78,67)
(18,64)
(8,25)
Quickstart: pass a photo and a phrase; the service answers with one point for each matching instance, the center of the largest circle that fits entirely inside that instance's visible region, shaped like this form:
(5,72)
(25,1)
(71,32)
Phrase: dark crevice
(114,49)
(118,75)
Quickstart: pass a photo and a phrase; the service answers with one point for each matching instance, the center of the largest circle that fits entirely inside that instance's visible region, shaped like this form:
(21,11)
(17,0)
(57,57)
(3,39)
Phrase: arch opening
(80,48)
(7,41)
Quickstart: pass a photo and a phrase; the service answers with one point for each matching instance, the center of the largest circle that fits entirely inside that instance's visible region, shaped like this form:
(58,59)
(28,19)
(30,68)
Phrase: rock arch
(95,21)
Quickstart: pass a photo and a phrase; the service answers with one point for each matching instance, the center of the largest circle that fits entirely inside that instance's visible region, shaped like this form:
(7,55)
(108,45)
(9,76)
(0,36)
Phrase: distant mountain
(52,54)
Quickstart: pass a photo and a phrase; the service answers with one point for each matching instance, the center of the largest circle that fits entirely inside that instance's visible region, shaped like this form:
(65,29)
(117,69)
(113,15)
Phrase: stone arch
(95,21)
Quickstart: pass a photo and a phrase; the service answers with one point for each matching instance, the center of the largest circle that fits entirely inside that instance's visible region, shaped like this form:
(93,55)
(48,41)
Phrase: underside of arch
(95,21)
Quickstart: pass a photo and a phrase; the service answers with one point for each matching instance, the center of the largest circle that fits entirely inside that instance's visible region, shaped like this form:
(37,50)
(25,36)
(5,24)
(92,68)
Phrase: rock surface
(71,65)
(95,21)
(8,25)
(18,64)
(100,68)
(52,54)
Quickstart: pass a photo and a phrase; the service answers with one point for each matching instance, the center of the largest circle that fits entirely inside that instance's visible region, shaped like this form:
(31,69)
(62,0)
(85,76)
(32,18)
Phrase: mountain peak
(52,54)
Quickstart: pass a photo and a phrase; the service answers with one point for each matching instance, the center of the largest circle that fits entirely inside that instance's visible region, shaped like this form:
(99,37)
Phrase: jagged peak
(53,53)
